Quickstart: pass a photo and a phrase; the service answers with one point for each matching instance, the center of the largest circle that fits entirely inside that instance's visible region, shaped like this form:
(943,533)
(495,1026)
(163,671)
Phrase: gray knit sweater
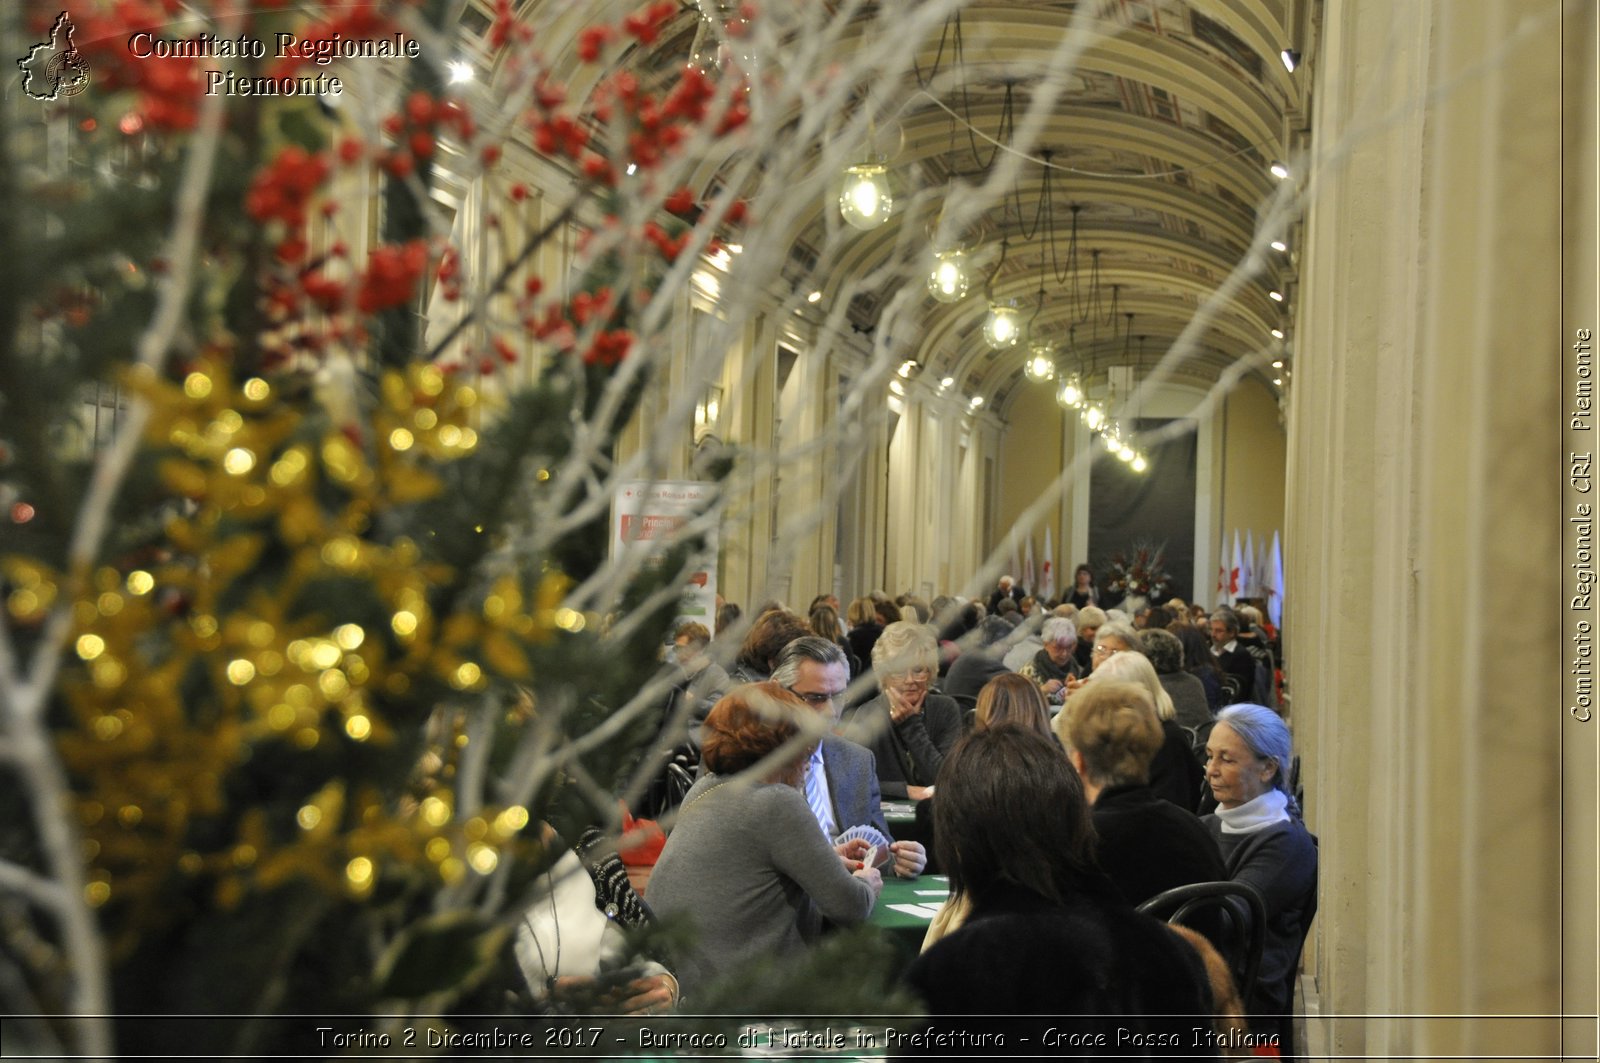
(749,868)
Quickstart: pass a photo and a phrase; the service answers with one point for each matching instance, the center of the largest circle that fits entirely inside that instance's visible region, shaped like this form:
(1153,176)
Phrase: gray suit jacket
(853,784)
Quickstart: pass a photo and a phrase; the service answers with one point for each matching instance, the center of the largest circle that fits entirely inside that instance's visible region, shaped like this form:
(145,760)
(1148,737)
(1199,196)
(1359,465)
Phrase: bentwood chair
(1231,914)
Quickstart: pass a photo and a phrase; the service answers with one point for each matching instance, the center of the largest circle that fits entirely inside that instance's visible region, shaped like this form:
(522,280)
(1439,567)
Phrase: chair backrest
(1231,914)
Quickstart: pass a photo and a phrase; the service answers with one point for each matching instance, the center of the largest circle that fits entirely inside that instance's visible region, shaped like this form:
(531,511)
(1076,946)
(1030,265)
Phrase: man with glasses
(841,782)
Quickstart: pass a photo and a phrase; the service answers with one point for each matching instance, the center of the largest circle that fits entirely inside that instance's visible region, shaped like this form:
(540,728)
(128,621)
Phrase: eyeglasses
(1104,650)
(919,675)
(811,697)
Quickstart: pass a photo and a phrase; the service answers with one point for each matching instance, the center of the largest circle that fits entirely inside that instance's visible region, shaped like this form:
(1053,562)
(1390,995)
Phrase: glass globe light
(865,202)
(1139,464)
(1041,366)
(1003,330)
(1126,453)
(1069,393)
(948,282)
(1094,417)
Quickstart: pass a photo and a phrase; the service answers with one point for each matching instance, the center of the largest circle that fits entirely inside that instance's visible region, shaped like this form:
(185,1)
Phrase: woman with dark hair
(1047,933)
(772,631)
(745,864)
(1199,662)
(1012,700)
(1083,593)
(864,630)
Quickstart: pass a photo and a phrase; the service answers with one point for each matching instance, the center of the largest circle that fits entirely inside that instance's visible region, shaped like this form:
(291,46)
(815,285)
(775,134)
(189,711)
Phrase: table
(906,907)
(901,817)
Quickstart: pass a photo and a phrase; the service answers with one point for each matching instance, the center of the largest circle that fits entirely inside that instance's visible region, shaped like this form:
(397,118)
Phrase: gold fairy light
(257,390)
(90,646)
(197,385)
(435,812)
(240,671)
(401,439)
(482,858)
(349,636)
(238,461)
(140,582)
(358,727)
(308,817)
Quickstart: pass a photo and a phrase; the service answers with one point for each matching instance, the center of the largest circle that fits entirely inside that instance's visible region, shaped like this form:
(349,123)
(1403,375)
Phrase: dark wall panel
(1155,508)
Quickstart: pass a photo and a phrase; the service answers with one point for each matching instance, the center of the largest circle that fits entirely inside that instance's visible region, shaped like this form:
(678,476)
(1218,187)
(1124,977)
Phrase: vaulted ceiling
(1158,147)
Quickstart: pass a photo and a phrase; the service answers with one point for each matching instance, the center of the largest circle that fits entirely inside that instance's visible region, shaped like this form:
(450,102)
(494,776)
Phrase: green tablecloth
(906,908)
(901,815)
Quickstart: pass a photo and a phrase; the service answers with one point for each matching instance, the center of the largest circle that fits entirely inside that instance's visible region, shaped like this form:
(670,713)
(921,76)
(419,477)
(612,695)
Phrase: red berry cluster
(391,276)
(169,89)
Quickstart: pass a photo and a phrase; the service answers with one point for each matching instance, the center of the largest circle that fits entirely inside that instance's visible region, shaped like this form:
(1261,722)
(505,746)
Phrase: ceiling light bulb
(1094,417)
(814,297)
(948,281)
(1002,331)
(1040,366)
(866,202)
(1126,453)
(1279,170)
(947,381)
(1279,245)
(1278,380)
(459,71)
(1278,364)
(1275,295)
(1069,394)
(1139,464)
(1291,59)
(907,368)
(1277,333)
(977,400)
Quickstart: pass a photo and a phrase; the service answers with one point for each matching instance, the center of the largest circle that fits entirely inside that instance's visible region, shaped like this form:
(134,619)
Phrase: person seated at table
(1047,934)
(1175,774)
(841,779)
(1012,700)
(1006,701)
(1147,845)
(1258,831)
(1055,665)
(772,631)
(978,663)
(908,729)
(587,891)
(745,864)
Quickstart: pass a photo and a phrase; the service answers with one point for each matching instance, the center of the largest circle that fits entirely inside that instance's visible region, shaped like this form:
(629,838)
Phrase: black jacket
(1089,969)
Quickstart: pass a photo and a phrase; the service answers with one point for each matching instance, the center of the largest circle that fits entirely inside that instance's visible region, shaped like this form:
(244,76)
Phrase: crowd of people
(1073,761)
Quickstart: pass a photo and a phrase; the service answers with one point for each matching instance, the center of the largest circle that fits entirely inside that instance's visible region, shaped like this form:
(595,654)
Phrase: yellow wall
(1252,463)
(1031,457)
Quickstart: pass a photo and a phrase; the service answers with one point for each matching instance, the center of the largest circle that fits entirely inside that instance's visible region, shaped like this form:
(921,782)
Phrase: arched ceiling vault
(1162,134)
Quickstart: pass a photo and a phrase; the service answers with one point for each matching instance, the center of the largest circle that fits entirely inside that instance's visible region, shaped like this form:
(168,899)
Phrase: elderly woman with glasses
(1054,667)
(908,728)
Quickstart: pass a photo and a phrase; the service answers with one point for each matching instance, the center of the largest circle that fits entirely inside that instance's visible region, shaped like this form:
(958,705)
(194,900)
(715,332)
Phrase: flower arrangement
(1143,572)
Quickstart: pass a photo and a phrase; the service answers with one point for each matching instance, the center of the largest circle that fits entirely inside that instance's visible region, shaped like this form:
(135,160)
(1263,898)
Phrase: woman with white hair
(1175,775)
(908,729)
(1054,665)
(1258,830)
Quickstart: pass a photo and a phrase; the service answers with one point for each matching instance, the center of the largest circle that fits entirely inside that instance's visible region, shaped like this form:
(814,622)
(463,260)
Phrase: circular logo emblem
(69,73)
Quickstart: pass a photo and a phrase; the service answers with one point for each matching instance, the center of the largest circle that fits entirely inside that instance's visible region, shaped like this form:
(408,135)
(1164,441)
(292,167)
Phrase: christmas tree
(310,618)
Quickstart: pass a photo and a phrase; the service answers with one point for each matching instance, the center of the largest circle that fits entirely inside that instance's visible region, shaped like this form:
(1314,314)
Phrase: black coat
(1148,845)
(1175,774)
(1091,968)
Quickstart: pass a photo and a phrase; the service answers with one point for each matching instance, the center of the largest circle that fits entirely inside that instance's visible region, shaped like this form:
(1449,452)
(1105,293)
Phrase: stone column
(1424,514)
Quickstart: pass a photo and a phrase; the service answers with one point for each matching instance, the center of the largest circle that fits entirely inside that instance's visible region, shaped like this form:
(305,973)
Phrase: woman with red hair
(746,864)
